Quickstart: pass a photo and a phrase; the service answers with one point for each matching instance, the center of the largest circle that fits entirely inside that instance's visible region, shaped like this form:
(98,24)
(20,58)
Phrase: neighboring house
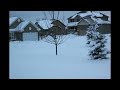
(48,26)
(83,24)
(24,31)
(81,21)
(104,26)
(72,27)
(14,22)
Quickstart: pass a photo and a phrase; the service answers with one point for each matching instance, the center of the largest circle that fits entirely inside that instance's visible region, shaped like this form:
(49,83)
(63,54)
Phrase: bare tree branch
(53,14)
(50,14)
(63,17)
(58,15)
(46,19)
(54,37)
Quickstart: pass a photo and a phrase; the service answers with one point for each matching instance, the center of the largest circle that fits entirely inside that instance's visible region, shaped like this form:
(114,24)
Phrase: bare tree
(54,37)
(56,40)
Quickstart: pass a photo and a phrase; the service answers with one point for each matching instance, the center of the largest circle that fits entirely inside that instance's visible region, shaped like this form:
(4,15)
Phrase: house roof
(12,29)
(91,20)
(97,14)
(73,24)
(86,22)
(22,25)
(59,21)
(45,24)
(86,13)
(13,19)
(100,21)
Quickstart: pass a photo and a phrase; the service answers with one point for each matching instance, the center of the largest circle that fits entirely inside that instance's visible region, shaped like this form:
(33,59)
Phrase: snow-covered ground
(37,60)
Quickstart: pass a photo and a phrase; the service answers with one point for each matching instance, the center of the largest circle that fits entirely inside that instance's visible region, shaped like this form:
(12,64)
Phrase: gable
(90,19)
(59,23)
(87,13)
(30,28)
(83,22)
(12,19)
(14,22)
(22,26)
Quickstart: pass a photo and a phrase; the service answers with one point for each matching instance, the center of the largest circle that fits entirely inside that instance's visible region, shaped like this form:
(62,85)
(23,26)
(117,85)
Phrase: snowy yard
(37,60)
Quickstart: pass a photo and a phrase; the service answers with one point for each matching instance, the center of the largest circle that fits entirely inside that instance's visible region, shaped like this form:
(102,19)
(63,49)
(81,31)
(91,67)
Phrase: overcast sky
(33,15)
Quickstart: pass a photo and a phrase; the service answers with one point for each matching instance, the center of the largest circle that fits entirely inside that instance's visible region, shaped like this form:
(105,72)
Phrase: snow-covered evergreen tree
(96,43)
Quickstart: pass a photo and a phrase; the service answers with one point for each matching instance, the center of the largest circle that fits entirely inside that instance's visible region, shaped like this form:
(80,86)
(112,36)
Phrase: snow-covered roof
(88,20)
(45,24)
(72,24)
(85,20)
(12,29)
(85,14)
(12,19)
(91,13)
(100,21)
(93,20)
(97,14)
(74,16)
(22,25)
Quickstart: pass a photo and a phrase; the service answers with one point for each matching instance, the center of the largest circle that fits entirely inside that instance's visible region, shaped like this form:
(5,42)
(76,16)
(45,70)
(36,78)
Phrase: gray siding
(76,19)
(105,28)
(105,18)
(58,27)
(57,30)
(17,35)
(82,29)
(33,29)
(83,22)
(60,24)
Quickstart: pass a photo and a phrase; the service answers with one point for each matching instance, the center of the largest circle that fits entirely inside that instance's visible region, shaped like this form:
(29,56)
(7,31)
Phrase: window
(73,28)
(12,36)
(71,20)
(30,28)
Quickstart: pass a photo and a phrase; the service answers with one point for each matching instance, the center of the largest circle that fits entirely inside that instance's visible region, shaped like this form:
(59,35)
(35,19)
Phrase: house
(79,15)
(83,24)
(104,26)
(14,22)
(24,31)
(49,26)
(81,21)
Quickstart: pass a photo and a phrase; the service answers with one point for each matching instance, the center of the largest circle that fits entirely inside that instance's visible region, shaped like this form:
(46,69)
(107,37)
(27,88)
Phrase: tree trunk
(56,49)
